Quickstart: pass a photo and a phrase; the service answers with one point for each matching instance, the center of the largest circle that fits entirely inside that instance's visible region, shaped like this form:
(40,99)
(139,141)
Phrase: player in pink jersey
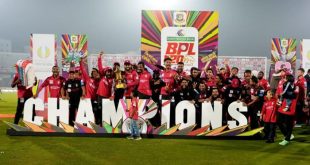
(131,77)
(262,81)
(54,83)
(145,78)
(168,76)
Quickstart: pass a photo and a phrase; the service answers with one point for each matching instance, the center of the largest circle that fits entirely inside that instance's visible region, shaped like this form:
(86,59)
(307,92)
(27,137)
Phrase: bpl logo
(179,48)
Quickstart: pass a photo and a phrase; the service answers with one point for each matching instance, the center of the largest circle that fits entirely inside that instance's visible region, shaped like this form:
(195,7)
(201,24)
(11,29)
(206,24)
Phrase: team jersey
(54,85)
(144,83)
(168,78)
(132,80)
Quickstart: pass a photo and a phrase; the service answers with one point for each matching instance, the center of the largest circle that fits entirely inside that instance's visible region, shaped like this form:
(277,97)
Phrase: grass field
(80,150)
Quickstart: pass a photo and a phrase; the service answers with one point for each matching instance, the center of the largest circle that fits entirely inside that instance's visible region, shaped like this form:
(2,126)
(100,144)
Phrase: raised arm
(84,72)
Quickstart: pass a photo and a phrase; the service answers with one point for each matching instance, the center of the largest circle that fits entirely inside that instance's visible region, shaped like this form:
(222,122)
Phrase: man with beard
(54,83)
(253,98)
(131,77)
(234,75)
(91,87)
(74,90)
(185,93)
(200,97)
(145,78)
(180,73)
(262,81)
(301,98)
(194,78)
(119,84)
(246,77)
(104,90)
(23,94)
(231,93)
(156,85)
(168,76)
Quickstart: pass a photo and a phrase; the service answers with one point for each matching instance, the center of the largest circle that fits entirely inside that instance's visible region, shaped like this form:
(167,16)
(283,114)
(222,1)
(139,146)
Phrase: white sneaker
(138,138)
(292,137)
(284,143)
(130,137)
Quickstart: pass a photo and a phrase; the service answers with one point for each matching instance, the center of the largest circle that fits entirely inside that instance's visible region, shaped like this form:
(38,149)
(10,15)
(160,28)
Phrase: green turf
(8,102)
(80,150)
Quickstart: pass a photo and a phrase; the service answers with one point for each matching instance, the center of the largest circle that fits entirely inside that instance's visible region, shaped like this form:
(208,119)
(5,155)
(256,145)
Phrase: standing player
(104,90)
(168,76)
(54,82)
(23,95)
(145,78)
(91,87)
(74,90)
(262,81)
(131,77)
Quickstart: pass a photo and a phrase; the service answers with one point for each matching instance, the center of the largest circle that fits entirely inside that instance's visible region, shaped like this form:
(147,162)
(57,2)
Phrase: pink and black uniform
(23,95)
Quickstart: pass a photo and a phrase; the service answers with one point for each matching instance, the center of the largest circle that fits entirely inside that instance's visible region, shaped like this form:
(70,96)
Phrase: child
(288,92)
(268,115)
(133,115)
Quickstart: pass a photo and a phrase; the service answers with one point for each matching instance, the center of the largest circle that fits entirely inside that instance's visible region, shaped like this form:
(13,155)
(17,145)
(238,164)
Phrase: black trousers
(270,130)
(119,94)
(98,110)
(300,115)
(143,96)
(19,109)
(73,107)
(286,124)
(97,113)
(252,113)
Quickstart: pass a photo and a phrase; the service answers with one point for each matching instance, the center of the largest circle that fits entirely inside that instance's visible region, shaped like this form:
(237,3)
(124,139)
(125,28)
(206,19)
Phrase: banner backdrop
(283,54)
(305,54)
(73,47)
(184,36)
(43,52)
(182,118)
(243,63)
(110,59)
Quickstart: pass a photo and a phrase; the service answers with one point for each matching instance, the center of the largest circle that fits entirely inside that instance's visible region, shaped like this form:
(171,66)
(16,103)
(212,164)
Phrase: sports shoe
(138,138)
(284,143)
(130,137)
(297,125)
(292,137)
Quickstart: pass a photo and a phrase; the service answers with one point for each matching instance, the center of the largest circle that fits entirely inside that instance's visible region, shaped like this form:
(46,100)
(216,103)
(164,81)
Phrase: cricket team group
(282,102)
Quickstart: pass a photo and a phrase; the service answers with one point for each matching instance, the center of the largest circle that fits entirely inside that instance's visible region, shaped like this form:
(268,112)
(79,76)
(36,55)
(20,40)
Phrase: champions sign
(175,119)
